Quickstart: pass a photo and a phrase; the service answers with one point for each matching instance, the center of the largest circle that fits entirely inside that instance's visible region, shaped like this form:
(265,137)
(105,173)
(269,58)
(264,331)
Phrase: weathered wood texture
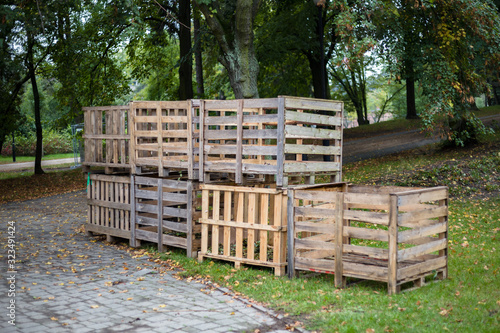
(108,199)
(165,212)
(106,138)
(390,234)
(244,225)
(270,137)
(163,137)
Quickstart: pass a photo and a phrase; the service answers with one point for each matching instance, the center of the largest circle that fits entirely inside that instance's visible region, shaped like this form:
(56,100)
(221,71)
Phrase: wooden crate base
(350,261)
(279,268)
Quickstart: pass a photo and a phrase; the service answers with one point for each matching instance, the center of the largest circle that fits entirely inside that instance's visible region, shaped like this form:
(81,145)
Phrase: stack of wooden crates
(222,179)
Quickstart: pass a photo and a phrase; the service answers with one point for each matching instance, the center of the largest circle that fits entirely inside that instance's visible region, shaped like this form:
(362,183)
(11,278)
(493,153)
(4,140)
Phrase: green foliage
(53,143)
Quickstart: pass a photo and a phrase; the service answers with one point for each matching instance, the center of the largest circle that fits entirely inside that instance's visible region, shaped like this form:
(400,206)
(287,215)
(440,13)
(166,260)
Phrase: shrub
(53,143)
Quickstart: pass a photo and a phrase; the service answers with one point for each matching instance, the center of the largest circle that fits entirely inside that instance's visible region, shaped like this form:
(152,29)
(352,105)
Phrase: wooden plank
(109,204)
(339,240)
(248,120)
(372,252)
(201,173)
(242,225)
(280,143)
(311,149)
(315,265)
(290,234)
(205,214)
(410,235)
(314,212)
(252,220)
(268,103)
(364,233)
(423,195)
(239,142)
(392,274)
(327,228)
(246,135)
(420,268)
(369,272)
(228,149)
(227,188)
(368,217)
(312,118)
(239,202)
(312,104)
(106,136)
(323,196)
(133,242)
(297,132)
(304,167)
(216,217)
(419,250)
(306,244)
(367,200)
(227,218)
(409,217)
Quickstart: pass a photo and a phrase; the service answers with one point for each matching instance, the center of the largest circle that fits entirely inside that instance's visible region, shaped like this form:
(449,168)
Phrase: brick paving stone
(87,284)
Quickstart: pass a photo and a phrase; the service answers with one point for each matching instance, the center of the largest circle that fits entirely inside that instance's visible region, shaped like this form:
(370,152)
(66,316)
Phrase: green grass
(468,301)
(24,174)
(20,159)
(398,125)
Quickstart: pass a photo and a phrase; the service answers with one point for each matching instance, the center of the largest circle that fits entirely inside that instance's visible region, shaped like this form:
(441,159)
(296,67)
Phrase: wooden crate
(163,138)
(270,137)
(106,138)
(165,212)
(244,225)
(390,234)
(108,199)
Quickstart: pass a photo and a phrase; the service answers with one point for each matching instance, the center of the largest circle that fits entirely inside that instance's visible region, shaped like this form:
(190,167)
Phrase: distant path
(362,149)
(31,165)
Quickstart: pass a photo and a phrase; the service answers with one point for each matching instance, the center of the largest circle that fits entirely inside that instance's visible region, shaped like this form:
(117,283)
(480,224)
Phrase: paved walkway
(31,165)
(66,281)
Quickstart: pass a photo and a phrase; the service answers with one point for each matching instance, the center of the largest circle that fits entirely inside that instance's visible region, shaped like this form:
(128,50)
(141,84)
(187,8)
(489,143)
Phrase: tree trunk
(36,98)
(186,59)
(235,37)
(200,86)
(411,110)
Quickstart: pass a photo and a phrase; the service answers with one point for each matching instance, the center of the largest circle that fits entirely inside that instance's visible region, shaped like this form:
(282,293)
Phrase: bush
(53,143)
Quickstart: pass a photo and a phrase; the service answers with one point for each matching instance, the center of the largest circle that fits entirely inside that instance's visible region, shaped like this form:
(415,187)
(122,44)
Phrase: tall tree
(231,22)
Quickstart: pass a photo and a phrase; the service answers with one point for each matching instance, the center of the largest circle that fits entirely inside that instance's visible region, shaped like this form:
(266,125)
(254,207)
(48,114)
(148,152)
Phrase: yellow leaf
(54,318)
(94,306)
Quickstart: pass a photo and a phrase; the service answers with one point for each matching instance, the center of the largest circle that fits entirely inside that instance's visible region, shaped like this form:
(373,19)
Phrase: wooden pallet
(106,138)
(244,225)
(108,199)
(271,136)
(163,138)
(165,212)
(390,234)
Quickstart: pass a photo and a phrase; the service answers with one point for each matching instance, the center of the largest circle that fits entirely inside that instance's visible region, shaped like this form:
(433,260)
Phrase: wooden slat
(373,252)
(312,149)
(304,167)
(422,195)
(247,134)
(312,104)
(420,268)
(410,235)
(369,217)
(328,228)
(436,212)
(363,233)
(312,118)
(420,250)
(298,132)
